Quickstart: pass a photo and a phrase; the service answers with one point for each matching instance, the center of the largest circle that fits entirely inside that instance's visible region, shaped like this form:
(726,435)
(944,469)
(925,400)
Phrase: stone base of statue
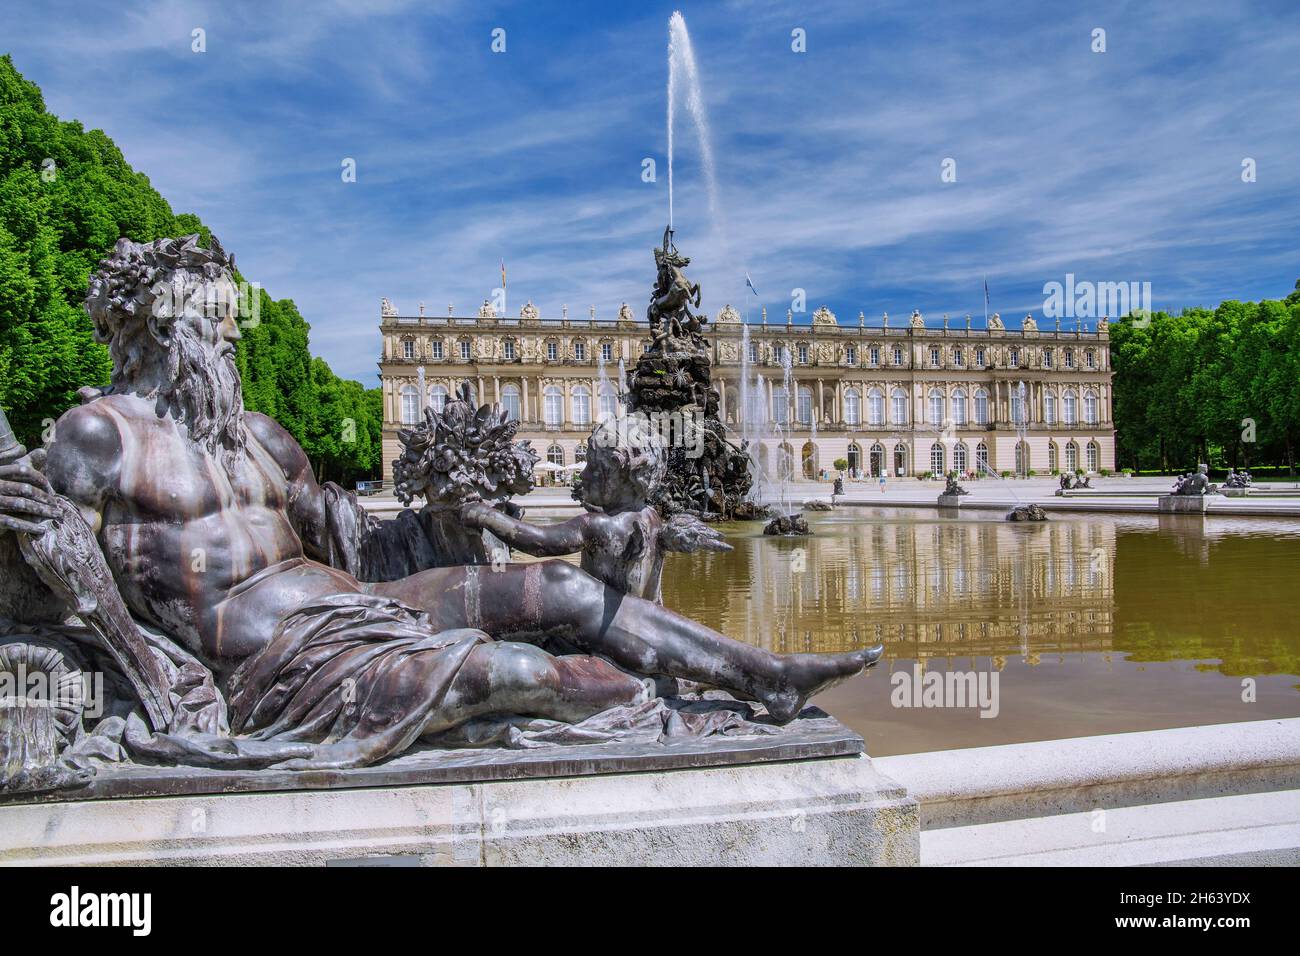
(950,501)
(1182,504)
(802,797)
(1234,492)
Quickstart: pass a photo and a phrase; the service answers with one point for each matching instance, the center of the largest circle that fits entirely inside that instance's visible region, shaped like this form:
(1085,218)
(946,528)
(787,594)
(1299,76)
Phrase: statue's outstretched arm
(541,541)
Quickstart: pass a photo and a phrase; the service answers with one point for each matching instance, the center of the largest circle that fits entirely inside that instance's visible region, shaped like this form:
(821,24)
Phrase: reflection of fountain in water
(753,418)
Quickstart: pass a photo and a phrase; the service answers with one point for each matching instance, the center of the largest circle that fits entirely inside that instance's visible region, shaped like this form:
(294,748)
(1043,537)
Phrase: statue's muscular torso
(205,555)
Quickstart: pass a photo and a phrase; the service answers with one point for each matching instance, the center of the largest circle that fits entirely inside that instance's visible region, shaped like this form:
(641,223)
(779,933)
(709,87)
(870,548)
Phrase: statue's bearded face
(197,352)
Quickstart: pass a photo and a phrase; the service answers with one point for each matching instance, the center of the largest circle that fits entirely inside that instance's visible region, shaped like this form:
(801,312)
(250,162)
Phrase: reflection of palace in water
(926,588)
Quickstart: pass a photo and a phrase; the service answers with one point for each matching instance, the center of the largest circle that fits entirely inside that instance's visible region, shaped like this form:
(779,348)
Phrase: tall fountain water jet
(684,82)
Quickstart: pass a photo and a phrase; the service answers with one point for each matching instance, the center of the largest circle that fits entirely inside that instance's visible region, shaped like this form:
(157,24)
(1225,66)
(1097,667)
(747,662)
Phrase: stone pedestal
(826,811)
(1235,492)
(1182,504)
(950,501)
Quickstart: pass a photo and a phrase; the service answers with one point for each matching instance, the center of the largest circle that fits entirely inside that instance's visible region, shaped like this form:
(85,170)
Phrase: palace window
(959,407)
(936,407)
(555,455)
(553,351)
(508,349)
(1090,408)
(1017,408)
(1047,358)
(979,358)
(959,456)
(464,350)
(936,458)
(981,407)
(753,353)
(982,458)
(510,401)
(582,405)
(898,407)
(437,397)
(1069,358)
(1051,456)
(1071,457)
(803,355)
(851,355)
(1090,359)
(852,407)
(934,356)
(1013,357)
(410,404)
(1071,404)
(958,357)
(435,348)
(1094,456)
(1049,407)
(876,407)
(580,351)
(553,405)
(780,405)
(608,402)
(898,355)
(875,355)
(408,348)
(805,405)
(606,351)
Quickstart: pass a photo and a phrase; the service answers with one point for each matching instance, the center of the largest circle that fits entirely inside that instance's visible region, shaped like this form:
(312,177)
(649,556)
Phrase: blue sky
(1115,166)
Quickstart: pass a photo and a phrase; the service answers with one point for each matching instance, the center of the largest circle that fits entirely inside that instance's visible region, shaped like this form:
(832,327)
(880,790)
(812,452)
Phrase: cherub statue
(622,538)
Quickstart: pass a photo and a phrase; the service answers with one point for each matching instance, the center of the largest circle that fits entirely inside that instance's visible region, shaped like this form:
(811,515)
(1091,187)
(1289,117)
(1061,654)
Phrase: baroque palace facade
(902,397)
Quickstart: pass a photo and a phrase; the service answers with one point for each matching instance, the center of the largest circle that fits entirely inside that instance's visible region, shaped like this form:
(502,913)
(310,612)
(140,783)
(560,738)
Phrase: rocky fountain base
(791,524)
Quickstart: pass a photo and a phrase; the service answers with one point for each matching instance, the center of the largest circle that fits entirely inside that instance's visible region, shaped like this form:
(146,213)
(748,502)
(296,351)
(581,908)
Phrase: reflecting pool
(1081,625)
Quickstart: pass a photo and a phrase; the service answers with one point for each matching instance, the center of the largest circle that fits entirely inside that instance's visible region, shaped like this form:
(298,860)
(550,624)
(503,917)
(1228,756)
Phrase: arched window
(410,404)
(1071,457)
(1090,407)
(1071,404)
(900,459)
(898,407)
(981,407)
(1022,458)
(854,458)
(1049,407)
(936,407)
(555,455)
(553,405)
(959,409)
(1017,407)
(982,458)
(959,456)
(780,405)
(437,397)
(510,401)
(877,460)
(1094,456)
(805,405)
(852,407)
(876,406)
(1052,458)
(936,458)
(608,401)
(582,405)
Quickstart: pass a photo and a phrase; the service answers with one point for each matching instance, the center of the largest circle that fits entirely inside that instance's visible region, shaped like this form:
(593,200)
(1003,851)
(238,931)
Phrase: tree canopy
(1220,386)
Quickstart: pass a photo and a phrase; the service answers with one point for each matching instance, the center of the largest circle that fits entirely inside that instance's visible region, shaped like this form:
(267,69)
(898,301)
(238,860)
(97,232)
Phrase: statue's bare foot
(806,675)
